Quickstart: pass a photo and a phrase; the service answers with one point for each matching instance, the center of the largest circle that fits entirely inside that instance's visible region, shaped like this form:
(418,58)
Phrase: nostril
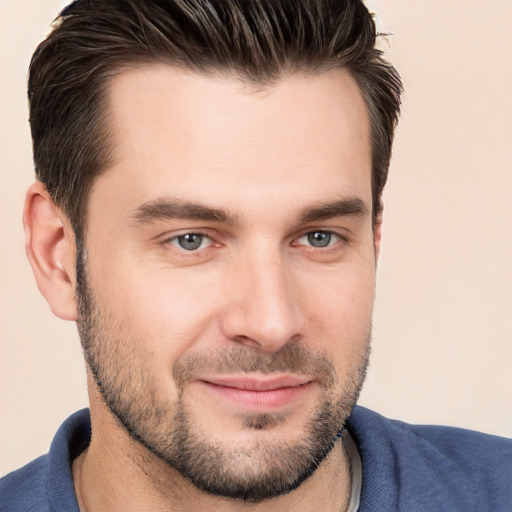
(266,344)
(246,341)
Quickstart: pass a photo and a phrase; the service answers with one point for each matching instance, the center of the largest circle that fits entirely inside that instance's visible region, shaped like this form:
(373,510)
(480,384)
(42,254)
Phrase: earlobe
(50,247)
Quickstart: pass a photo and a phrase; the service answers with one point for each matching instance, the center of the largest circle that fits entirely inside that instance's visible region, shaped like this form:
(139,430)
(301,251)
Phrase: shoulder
(458,445)
(434,467)
(24,489)
(46,484)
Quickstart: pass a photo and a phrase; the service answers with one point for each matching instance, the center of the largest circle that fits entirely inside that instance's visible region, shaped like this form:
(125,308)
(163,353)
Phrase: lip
(261,395)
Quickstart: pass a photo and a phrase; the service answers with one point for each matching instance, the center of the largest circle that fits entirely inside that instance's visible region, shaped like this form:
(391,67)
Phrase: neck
(109,477)
(117,473)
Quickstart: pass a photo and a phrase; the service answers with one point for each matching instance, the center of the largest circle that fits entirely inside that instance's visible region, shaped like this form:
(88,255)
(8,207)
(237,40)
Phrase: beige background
(442,350)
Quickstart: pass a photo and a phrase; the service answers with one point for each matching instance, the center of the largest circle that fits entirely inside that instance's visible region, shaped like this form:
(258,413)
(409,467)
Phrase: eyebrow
(167,208)
(342,208)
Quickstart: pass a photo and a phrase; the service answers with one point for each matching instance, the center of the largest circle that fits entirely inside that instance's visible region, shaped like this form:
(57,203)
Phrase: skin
(264,157)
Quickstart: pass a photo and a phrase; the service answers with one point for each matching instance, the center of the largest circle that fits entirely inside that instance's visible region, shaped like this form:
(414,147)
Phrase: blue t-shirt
(406,468)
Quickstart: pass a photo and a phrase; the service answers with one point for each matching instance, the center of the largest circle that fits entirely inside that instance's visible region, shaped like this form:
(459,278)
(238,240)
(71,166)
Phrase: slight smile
(259,395)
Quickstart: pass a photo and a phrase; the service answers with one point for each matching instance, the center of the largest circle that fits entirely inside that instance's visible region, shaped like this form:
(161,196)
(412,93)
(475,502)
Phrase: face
(227,282)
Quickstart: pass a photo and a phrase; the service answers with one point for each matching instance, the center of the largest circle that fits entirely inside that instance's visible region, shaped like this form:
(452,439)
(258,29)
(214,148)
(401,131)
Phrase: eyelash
(175,238)
(338,238)
(331,235)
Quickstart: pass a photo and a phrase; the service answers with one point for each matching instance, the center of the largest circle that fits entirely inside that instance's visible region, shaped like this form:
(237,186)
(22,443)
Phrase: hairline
(104,111)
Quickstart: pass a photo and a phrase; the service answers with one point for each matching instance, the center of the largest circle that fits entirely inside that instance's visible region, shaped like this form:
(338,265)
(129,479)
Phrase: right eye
(191,241)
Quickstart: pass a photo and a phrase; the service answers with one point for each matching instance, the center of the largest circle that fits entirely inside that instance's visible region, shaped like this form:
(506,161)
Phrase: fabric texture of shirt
(406,468)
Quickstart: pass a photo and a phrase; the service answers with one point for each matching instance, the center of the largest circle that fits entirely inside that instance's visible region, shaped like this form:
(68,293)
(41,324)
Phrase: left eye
(191,241)
(319,239)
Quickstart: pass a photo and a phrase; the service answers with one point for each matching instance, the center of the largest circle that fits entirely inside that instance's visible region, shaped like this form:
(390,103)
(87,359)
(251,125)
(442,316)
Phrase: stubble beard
(268,467)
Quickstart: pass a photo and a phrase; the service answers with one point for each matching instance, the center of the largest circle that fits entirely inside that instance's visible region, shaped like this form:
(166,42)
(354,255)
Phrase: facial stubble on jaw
(270,466)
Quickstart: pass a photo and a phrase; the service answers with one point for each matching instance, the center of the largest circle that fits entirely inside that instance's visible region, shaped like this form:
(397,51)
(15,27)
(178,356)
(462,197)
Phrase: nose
(263,309)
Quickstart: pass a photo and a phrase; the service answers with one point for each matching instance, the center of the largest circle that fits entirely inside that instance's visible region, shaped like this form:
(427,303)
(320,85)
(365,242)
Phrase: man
(208,210)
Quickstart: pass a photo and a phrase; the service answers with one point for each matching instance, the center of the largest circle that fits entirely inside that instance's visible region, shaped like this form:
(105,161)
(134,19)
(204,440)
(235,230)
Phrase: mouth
(258,395)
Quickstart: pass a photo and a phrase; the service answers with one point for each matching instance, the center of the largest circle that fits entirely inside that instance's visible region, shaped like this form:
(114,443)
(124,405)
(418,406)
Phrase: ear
(377,233)
(50,247)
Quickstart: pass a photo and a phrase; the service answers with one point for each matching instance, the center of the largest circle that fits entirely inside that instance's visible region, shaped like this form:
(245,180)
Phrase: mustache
(293,358)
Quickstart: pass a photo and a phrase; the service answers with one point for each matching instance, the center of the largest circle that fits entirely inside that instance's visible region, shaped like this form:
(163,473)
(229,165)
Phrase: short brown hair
(256,40)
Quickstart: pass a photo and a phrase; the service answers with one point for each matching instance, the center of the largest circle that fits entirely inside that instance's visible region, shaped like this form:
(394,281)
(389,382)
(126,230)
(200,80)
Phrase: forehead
(215,137)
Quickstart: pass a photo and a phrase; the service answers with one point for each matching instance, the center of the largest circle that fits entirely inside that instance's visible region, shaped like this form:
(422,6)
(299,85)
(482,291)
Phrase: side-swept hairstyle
(259,41)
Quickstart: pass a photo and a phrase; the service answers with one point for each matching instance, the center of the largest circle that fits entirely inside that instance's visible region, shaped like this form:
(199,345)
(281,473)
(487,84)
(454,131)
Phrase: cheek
(340,308)
(161,310)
